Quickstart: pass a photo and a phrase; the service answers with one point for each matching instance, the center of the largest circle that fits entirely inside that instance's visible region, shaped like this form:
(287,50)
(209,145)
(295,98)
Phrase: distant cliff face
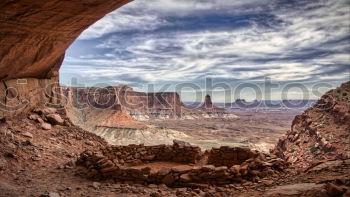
(120,115)
(139,105)
(125,99)
(321,132)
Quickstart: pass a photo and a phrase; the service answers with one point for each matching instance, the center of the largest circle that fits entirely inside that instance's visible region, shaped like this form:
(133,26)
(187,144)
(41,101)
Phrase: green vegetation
(313,149)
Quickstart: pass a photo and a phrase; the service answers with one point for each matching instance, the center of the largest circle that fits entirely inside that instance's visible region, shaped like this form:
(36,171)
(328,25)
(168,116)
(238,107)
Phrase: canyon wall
(139,105)
(34,35)
(123,116)
(123,98)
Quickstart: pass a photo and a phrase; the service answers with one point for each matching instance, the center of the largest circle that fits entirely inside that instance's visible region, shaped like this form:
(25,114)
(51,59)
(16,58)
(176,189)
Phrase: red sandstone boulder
(185,178)
(55,119)
(45,111)
(168,179)
(45,126)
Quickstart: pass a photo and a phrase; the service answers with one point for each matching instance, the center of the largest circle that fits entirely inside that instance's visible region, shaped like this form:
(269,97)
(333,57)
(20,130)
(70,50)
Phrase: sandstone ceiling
(34,34)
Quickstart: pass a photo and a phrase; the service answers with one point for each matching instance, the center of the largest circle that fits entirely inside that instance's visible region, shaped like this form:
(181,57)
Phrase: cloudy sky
(232,41)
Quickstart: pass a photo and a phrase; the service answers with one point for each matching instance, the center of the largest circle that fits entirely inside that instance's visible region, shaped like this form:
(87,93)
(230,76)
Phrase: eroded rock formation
(123,116)
(34,36)
(207,102)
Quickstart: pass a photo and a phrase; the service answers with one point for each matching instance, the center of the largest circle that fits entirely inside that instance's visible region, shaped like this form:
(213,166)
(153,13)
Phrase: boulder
(27,134)
(109,169)
(33,117)
(185,178)
(180,144)
(168,179)
(333,190)
(155,194)
(45,126)
(208,168)
(221,168)
(163,171)
(326,165)
(53,194)
(235,169)
(49,110)
(96,185)
(55,119)
(45,111)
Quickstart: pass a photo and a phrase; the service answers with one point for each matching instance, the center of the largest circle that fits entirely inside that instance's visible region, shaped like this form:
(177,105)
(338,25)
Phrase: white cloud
(188,55)
(143,15)
(117,22)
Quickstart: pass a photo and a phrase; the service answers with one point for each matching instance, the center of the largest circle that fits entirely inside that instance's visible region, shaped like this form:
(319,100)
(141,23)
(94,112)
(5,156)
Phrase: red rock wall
(229,156)
(34,34)
(129,163)
(21,95)
(136,154)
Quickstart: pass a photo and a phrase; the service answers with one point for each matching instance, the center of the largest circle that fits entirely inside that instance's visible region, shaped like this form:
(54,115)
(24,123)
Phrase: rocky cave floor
(39,162)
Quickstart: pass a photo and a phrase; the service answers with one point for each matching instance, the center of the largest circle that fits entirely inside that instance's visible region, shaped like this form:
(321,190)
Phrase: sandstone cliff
(34,36)
(121,115)
(139,105)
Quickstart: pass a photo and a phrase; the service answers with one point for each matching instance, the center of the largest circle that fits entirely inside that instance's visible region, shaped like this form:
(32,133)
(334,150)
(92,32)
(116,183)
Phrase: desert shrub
(313,149)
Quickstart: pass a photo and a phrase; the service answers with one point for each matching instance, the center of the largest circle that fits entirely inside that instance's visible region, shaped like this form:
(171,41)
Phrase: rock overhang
(35,34)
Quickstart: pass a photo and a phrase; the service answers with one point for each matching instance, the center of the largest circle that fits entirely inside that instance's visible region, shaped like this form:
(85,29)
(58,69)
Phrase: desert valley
(59,141)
